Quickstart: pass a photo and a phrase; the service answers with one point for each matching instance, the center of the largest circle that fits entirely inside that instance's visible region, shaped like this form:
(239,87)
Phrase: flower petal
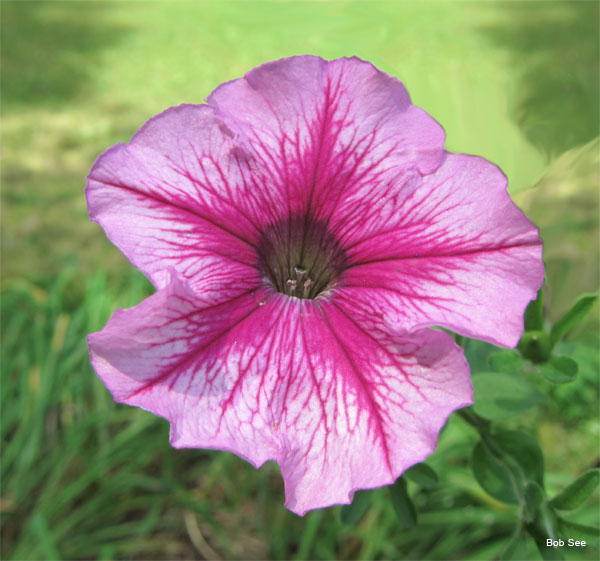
(367,405)
(339,407)
(323,130)
(179,196)
(184,357)
(451,249)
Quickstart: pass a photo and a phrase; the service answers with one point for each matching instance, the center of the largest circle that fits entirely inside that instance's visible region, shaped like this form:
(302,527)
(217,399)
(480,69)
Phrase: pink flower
(304,229)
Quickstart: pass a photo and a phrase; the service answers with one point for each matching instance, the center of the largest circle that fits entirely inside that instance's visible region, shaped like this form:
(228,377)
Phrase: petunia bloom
(304,229)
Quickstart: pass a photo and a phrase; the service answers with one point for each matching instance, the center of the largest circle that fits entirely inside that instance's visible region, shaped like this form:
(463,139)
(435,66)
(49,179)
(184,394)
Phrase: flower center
(300,257)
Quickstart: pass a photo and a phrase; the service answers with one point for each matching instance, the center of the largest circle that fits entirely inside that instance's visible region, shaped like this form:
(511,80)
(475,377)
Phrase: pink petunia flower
(303,229)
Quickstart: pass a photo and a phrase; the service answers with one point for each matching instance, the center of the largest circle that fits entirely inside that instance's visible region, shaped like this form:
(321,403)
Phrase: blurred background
(83,478)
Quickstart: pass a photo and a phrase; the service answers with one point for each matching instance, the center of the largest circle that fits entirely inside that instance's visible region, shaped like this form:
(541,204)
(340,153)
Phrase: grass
(84,478)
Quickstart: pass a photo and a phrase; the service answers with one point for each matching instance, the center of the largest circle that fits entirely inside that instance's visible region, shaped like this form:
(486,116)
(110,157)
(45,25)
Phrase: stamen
(300,257)
(291,287)
(307,284)
(301,281)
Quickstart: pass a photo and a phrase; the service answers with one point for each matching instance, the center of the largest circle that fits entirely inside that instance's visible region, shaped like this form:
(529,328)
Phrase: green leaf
(534,497)
(577,531)
(422,475)
(506,361)
(403,505)
(578,491)
(477,354)
(517,547)
(534,314)
(352,513)
(560,369)
(535,346)
(525,449)
(498,395)
(493,475)
(505,462)
(577,312)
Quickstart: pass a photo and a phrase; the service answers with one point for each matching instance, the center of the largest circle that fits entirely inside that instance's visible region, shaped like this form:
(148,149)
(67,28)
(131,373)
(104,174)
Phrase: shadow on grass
(557,45)
(49,49)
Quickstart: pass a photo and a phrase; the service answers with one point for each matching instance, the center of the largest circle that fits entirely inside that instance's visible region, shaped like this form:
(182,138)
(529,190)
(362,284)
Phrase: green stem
(479,423)
(540,535)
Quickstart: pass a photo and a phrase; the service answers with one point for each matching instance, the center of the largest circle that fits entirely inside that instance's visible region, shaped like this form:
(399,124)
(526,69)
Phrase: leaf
(575,401)
(517,547)
(578,531)
(560,369)
(403,505)
(352,513)
(578,491)
(498,395)
(534,497)
(577,312)
(506,361)
(506,462)
(534,314)
(477,354)
(525,450)
(493,475)
(422,475)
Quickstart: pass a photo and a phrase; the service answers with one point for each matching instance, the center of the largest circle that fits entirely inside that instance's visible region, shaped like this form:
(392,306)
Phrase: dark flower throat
(300,257)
